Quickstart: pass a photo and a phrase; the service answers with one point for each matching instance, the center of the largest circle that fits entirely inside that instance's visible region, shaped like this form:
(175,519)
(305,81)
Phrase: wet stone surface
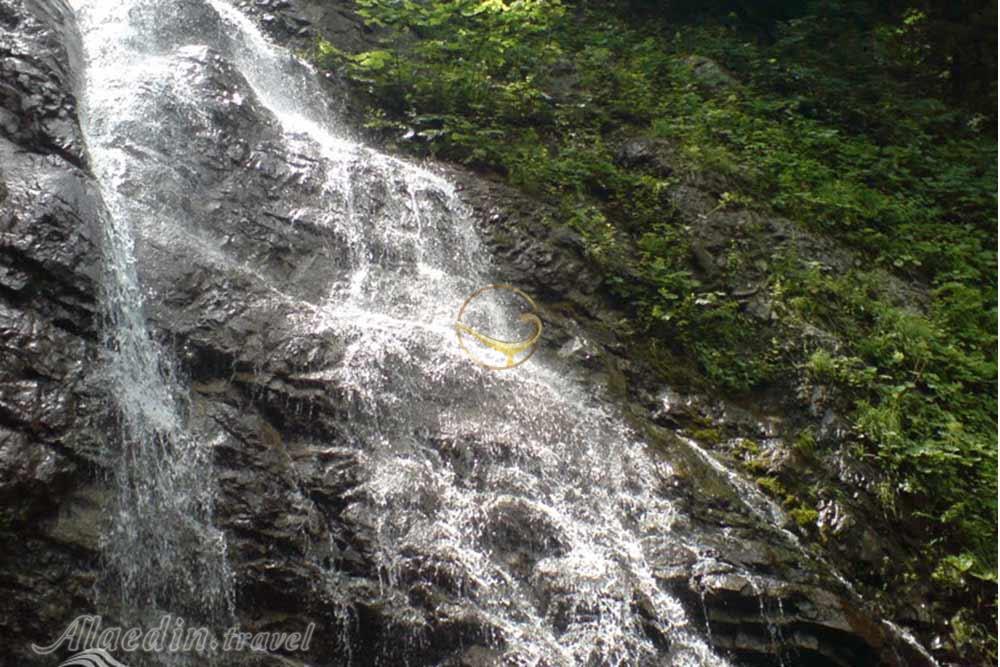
(52,409)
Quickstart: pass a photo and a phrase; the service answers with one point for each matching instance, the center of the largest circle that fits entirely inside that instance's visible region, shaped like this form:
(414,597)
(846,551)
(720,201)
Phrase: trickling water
(773,629)
(910,640)
(752,498)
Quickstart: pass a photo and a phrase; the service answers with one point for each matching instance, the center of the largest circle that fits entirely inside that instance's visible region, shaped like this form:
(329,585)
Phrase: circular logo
(487,350)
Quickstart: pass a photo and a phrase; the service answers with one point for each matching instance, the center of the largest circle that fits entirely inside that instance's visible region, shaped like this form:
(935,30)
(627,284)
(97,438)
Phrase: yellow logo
(510,349)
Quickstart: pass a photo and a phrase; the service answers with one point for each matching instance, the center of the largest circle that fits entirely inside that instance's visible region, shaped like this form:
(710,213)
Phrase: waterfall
(522,493)
(162,553)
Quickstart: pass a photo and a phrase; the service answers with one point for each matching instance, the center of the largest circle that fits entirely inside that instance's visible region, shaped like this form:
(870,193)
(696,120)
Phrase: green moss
(709,436)
(806,517)
(758,465)
(771,486)
(674,369)
(746,447)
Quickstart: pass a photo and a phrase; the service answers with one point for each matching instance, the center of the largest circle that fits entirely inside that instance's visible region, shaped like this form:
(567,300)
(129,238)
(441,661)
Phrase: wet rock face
(51,409)
(36,105)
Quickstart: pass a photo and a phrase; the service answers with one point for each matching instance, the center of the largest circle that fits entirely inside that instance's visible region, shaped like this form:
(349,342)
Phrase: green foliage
(458,73)
(887,200)
(923,398)
(918,198)
(805,443)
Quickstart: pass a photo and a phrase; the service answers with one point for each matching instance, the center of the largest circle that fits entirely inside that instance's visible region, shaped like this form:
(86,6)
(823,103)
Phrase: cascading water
(162,553)
(521,493)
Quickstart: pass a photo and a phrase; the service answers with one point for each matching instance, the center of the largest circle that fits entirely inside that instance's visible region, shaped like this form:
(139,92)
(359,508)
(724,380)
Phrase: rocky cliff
(51,408)
(293,498)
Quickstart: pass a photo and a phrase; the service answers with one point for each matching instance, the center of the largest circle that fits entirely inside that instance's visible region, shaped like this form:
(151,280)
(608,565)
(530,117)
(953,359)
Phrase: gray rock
(655,155)
(711,74)
(52,410)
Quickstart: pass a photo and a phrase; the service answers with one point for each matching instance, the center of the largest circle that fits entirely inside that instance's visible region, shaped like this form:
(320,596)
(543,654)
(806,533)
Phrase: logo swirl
(95,657)
(509,349)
